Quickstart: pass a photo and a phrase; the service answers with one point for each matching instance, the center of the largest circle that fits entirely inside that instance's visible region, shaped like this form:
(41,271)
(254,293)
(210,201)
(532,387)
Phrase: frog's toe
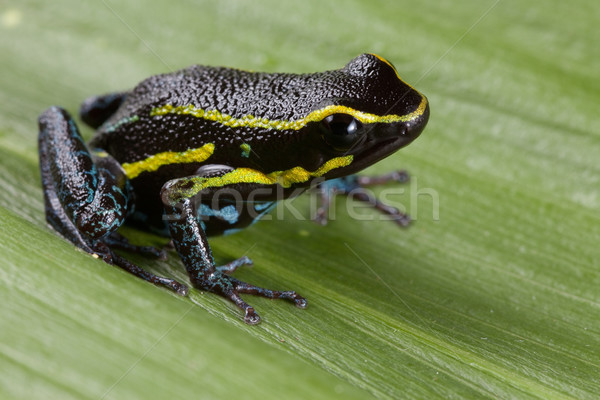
(301,302)
(321,216)
(179,288)
(128,266)
(243,287)
(251,317)
(356,187)
(392,213)
(234,265)
(402,219)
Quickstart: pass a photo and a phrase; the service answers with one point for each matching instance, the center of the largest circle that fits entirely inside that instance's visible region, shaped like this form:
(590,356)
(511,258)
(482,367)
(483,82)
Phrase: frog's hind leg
(95,110)
(188,232)
(62,153)
(86,198)
(354,186)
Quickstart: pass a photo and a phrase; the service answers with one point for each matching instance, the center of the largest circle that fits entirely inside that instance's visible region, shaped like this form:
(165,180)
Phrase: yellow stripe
(247,175)
(155,161)
(282,124)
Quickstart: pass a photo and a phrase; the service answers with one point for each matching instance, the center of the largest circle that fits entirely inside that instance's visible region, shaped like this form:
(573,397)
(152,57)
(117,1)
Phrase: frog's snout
(414,127)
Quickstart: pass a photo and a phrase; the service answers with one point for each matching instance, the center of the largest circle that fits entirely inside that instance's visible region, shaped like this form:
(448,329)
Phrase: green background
(492,293)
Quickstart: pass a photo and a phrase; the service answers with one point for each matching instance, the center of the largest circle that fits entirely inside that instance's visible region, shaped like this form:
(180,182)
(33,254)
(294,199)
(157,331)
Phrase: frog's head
(376,114)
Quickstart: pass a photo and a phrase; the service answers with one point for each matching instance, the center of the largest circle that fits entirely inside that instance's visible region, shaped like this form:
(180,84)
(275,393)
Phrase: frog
(208,151)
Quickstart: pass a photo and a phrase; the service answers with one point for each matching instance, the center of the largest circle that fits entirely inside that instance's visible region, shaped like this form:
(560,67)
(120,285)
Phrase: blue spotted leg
(87,197)
(186,215)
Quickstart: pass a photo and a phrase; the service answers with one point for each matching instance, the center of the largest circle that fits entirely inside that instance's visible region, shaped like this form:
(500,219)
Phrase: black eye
(340,130)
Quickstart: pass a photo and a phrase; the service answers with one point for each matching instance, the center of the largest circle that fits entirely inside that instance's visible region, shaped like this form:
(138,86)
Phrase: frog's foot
(117,241)
(354,186)
(234,265)
(251,317)
(191,241)
(231,288)
(396,215)
(103,251)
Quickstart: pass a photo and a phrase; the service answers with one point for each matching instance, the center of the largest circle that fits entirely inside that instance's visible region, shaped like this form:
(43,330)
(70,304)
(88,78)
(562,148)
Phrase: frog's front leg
(354,185)
(188,231)
(87,198)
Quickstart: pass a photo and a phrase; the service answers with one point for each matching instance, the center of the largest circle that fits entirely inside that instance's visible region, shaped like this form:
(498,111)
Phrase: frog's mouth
(380,142)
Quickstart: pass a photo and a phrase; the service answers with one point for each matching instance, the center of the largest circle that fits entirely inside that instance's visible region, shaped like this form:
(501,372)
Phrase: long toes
(128,266)
(298,300)
(234,265)
(243,287)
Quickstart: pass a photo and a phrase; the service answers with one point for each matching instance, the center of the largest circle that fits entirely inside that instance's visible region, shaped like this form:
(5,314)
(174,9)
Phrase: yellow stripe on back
(281,124)
(156,161)
(284,178)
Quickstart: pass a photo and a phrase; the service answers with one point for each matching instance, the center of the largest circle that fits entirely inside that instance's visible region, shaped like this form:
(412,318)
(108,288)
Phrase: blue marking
(340,184)
(227,213)
(230,214)
(262,206)
(231,231)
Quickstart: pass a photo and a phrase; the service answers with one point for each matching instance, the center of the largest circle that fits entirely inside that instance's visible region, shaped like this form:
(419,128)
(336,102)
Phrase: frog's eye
(340,130)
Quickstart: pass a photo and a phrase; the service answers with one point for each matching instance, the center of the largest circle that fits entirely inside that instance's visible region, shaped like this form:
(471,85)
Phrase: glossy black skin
(88,197)
(235,92)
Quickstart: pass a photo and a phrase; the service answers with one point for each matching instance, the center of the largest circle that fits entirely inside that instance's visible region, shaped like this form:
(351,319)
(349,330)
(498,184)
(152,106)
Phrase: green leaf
(493,292)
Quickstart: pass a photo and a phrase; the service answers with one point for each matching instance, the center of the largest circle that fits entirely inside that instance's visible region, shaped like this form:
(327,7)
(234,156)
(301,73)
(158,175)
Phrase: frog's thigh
(85,198)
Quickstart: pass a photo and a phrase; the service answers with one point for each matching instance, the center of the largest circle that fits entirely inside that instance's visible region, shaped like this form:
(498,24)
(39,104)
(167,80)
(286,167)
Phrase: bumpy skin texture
(235,92)
(240,93)
(172,143)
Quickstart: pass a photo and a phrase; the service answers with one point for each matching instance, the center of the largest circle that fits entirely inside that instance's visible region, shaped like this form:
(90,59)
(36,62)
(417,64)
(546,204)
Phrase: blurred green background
(492,293)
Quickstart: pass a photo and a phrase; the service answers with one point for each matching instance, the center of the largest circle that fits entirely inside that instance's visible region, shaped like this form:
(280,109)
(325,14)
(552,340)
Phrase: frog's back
(162,112)
(153,117)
